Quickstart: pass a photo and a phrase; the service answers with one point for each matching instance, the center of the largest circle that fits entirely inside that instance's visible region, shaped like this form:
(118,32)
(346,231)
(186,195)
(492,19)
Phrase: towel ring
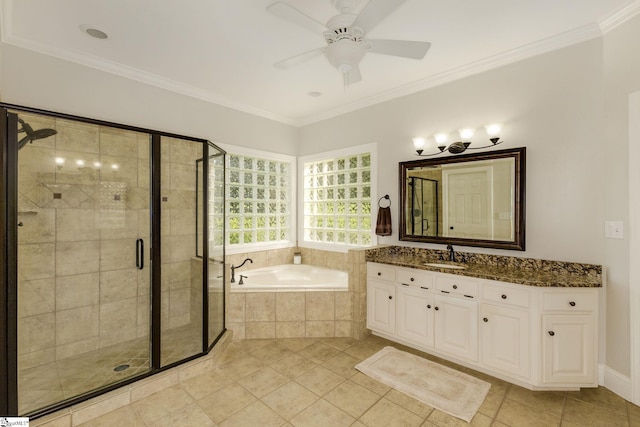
(386,196)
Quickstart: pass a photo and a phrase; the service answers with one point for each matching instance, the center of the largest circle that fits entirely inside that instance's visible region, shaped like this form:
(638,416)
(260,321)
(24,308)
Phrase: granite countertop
(565,275)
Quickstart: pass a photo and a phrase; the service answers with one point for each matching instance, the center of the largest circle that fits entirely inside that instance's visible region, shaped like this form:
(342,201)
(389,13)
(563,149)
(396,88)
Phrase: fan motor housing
(340,29)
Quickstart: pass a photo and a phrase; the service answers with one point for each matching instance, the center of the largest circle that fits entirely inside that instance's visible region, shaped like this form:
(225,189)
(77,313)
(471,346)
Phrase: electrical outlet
(613,230)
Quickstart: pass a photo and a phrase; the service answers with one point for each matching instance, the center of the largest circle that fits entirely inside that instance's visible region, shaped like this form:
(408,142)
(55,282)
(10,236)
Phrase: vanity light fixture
(457,147)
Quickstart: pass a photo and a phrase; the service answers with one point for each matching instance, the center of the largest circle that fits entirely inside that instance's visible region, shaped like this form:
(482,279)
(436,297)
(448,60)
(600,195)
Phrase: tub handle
(139,254)
(241,282)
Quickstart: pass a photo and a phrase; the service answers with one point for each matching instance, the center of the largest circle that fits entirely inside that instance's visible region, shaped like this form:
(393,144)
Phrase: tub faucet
(452,254)
(233,269)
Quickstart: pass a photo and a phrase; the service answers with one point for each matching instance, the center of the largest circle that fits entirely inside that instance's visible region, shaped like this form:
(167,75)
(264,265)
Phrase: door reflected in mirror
(473,200)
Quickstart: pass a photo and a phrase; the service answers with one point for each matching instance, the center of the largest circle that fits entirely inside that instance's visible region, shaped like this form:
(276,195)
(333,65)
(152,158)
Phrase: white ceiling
(223,50)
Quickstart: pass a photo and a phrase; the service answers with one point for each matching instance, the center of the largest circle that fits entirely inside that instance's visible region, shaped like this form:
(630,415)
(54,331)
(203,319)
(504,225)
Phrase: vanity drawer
(457,285)
(569,301)
(414,277)
(381,271)
(505,294)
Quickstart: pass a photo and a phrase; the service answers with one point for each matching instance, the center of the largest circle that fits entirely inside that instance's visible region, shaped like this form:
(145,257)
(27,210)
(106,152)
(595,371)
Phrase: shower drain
(120,368)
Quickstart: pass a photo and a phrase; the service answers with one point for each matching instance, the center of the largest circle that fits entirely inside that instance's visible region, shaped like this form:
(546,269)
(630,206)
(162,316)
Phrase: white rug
(446,389)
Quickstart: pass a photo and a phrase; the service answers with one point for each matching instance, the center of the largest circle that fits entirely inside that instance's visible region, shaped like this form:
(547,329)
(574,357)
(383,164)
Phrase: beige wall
(36,80)
(553,104)
(569,108)
(621,78)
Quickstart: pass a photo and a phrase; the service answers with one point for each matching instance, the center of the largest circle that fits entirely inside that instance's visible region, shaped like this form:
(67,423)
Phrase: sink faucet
(233,269)
(452,254)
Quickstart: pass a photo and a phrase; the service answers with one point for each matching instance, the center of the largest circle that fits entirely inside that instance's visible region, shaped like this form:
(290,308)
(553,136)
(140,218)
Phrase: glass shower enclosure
(106,276)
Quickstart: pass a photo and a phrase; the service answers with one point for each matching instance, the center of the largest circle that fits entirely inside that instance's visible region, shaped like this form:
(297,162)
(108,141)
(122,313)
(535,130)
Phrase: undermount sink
(443,265)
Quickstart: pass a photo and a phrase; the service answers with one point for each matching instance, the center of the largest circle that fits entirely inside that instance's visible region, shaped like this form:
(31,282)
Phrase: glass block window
(337,200)
(259,203)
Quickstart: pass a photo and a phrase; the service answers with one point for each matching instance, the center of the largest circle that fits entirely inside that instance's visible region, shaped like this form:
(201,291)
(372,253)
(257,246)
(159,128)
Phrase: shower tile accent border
(98,406)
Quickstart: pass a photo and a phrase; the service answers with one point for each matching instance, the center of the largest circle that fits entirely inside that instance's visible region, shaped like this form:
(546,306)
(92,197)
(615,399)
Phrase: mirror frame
(518,242)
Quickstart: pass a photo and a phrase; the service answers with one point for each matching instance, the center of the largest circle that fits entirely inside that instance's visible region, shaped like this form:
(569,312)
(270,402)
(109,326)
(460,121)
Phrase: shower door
(82,258)
(105,275)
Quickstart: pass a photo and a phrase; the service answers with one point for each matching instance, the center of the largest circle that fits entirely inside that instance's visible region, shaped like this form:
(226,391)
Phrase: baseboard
(615,381)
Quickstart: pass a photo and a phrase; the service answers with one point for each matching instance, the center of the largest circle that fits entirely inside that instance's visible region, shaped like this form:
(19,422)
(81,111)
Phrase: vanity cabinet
(505,328)
(415,314)
(541,338)
(381,307)
(456,326)
(569,343)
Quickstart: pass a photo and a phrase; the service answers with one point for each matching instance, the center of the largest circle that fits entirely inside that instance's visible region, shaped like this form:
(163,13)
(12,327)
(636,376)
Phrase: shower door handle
(139,254)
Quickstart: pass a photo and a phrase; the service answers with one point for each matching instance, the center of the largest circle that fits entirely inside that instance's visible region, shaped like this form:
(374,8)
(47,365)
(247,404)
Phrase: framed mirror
(469,200)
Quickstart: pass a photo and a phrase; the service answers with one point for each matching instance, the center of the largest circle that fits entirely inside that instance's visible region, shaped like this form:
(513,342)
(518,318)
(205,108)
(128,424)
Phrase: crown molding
(569,38)
(619,17)
(559,41)
(127,72)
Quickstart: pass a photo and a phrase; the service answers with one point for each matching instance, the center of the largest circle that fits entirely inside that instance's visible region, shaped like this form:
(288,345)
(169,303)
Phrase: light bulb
(80,162)
(493,129)
(440,138)
(418,143)
(97,164)
(466,133)
(114,167)
(59,160)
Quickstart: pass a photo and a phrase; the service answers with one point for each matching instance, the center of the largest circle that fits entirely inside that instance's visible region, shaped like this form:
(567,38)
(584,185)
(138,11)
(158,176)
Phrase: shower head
(32,135)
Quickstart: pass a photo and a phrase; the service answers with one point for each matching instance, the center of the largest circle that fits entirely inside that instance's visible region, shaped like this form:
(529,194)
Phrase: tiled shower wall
(78,288)
(300,314)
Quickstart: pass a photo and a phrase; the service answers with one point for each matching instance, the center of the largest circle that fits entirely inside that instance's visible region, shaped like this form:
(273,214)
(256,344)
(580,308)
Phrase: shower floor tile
(44,385)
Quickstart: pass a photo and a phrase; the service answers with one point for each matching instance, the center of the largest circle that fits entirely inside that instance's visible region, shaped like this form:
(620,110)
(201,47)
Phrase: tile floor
(312,382)
(52,382)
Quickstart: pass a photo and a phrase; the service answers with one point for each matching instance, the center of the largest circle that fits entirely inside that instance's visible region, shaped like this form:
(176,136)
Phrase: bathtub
(291,278)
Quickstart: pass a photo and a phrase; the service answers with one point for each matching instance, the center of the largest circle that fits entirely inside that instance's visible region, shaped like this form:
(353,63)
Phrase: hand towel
(383,224)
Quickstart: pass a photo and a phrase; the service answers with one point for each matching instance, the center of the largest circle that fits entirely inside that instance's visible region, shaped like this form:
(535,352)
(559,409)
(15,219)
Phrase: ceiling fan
(345,36)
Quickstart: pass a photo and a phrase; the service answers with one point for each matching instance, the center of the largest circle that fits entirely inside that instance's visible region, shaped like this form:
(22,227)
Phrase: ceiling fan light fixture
(344,54)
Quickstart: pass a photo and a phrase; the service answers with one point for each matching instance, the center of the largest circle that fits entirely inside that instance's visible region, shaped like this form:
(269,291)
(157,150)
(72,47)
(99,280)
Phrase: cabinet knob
(552,333)
(379,274)
(485,320)
(412,279)
(428,305)
(572,303)
(455,286)
(390,297)
(436,308)
(504,296)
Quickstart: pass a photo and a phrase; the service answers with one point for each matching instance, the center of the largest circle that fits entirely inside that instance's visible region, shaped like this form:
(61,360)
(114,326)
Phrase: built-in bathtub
(291,278)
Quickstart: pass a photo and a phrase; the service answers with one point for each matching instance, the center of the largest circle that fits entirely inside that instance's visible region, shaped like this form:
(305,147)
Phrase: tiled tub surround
(523,271)
(300,314)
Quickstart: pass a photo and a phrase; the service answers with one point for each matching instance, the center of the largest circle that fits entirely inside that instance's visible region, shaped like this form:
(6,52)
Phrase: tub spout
(233,269)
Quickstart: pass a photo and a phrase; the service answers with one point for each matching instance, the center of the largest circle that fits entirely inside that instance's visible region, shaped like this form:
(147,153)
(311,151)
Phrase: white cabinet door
(504,334)
(381,306)
(568,349)
(456,326)
(415,315)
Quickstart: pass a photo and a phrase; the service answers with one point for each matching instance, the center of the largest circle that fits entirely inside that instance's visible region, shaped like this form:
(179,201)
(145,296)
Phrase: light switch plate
(613,230)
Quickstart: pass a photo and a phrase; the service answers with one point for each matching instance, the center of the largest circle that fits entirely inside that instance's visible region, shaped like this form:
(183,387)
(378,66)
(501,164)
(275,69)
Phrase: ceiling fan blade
(374,12)
(403,48)
(288,13)
(353,76)
(298,59)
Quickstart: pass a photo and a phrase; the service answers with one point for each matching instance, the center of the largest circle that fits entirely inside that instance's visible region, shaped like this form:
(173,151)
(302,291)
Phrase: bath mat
(446,389)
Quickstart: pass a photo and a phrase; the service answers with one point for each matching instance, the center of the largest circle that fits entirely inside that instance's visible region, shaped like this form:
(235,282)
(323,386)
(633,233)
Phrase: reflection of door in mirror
(467,203)
(472,199)
(423,206)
